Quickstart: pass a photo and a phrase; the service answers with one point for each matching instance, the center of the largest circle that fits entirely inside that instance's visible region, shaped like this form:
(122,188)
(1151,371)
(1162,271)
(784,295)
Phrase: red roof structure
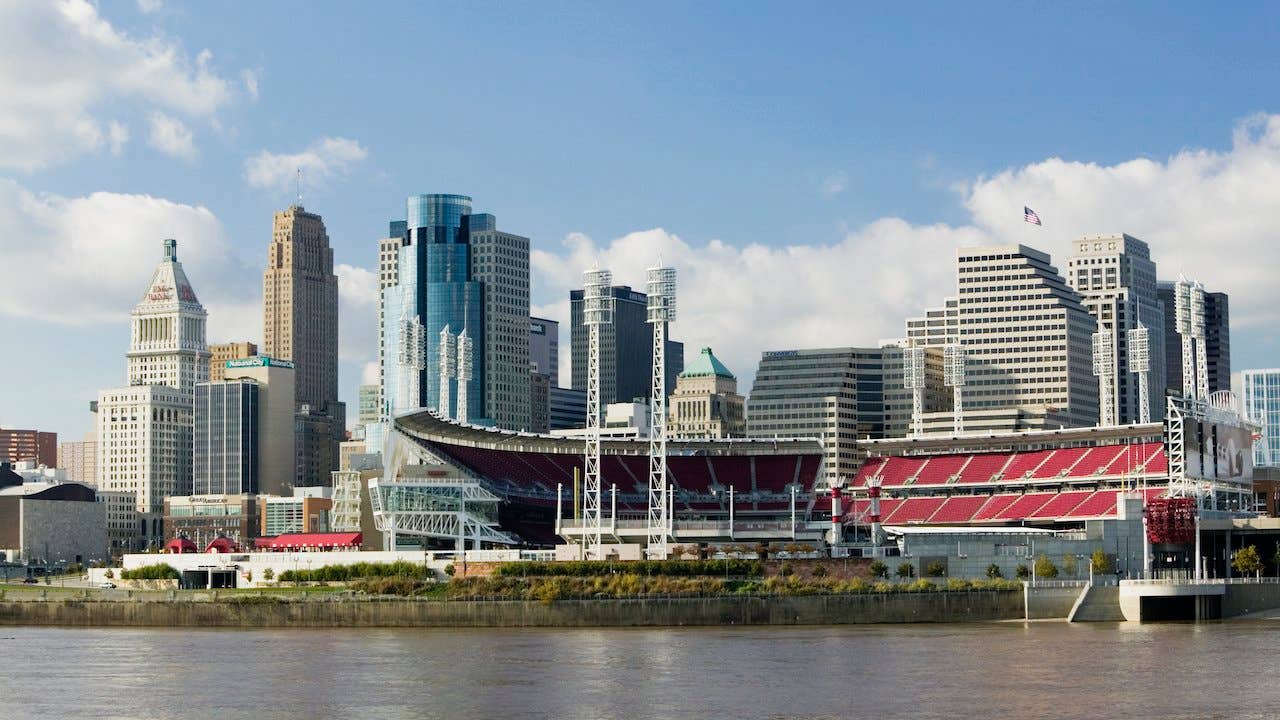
(222,545)
(296,542)
(180,545)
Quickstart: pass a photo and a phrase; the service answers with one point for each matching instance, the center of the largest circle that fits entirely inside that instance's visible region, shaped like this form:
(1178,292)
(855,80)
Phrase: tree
(906,570)
(1247,561)
(877,568)
(819,571)
(1023,572)
(993,571)
(1069,564)
(1045,567)
(268,574)
(937,568)
(1275,559)
(1100,561)
(109,574)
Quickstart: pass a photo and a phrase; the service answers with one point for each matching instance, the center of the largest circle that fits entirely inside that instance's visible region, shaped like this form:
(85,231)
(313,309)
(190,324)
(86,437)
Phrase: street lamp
(793,512)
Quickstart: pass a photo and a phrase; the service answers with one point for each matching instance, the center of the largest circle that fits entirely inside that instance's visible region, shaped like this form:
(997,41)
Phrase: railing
(1204,581)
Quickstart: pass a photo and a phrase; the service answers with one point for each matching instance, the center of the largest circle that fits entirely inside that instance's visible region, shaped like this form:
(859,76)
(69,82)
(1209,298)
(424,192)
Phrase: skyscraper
(1213,325)
(706,402)
(220,353)
(300,324)
(144,430)
(460,282)
(226,438)
(1116,278)
(1217,340)
(626,348)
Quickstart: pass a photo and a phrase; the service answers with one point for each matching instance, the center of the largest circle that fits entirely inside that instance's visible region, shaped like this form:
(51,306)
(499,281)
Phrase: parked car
(28,580)
(108,585)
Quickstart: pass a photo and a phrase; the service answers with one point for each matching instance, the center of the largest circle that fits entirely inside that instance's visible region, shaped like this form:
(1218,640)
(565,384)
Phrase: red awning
(306,541)
(180,545)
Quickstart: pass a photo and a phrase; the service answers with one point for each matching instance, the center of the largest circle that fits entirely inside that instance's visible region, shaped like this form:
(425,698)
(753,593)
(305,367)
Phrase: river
(1003,670)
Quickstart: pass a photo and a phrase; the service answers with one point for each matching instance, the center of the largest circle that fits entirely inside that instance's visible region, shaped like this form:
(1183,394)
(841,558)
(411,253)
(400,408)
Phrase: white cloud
(60,63)
(118,135)
(1208,214)
(86,260)
(172,137)
(147,7)
(834,184)
(358,314)
(369,373)
(250,80)
(325,159)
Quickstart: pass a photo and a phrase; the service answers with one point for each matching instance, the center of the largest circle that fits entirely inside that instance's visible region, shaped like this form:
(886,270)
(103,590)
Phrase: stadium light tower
(465,360)
(1189,314)
(411,360)
(913,379)
(1140,364)
(661,288)
(597,310)
(953,376)
(1104,366)
(448,369)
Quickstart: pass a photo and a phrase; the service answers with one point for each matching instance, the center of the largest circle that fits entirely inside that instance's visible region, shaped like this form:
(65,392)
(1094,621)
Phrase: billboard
(1218,451)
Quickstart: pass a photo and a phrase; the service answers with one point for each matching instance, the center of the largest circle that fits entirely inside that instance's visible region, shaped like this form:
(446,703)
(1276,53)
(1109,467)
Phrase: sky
(808,168)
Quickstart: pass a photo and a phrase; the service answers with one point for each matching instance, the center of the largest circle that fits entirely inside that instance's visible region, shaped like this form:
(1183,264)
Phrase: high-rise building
(220,353)
(459,278)
(368,405)
(544,348)
(835,395)
(34,445)
(539,402)
(938,326)
(388,277)
(226,438)
(276,423)
(706,403)
(80,459)
(300,324)
(1259,392)
(1116,279)
(144,430)
(1212,324)
(1027,339)
(568,408)
(626,348)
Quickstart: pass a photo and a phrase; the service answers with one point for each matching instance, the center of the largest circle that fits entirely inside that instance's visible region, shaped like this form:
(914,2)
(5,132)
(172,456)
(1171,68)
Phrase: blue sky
(814,144)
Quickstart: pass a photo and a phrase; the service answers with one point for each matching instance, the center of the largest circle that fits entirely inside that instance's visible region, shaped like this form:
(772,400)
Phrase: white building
(144,430)
(621,420)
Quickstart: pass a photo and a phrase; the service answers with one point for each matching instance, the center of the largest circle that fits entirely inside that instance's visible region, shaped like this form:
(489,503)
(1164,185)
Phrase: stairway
(1097,603)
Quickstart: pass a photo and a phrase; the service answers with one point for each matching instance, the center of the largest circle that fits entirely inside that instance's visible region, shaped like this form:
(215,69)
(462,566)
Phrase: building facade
(706,403)
(1217,336)
(1259,392)
(1213,324)
(80,459)
(221,353)
(539,403)
(626,348)
(52,525)
(567,408)
(145,429)
(500,262)
(300,325)
(225,443)
(35,445)
(303,512)
(1116,279)
(205,518)
(277,456)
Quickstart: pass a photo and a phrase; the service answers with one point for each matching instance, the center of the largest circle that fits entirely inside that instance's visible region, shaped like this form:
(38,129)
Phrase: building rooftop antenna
(297,185)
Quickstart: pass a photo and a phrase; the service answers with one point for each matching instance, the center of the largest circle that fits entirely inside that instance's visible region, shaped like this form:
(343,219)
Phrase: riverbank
(336,610)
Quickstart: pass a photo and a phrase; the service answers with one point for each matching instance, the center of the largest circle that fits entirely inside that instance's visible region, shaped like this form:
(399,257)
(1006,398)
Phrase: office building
(221,353)
(1259,393)
(144,429)
(539,403)
(80,459)
(121,508)
(306,511)
(35,445)
(626,348)
(463,282)
(277,455)
(368,405)
(936,328)
(225,442)
(834,395)
(205,518)
(300,325)
(706,403)
(568,408)
(1116,279)
(388,277)
(544,348)
(619,421)
(1027,339)
(1209,323)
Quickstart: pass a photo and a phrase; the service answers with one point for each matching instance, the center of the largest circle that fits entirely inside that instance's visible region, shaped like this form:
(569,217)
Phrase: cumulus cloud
(117,135)
(61,63)
(1208,214)
(147,7)
(358,310)
(325,159)
(250,80)
(834,184)
(172,137)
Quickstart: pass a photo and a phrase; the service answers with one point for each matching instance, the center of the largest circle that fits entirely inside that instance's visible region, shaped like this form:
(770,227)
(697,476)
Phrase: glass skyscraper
(1260,393)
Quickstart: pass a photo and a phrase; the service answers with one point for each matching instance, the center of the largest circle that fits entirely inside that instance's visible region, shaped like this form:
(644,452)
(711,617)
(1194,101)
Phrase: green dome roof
(706,364)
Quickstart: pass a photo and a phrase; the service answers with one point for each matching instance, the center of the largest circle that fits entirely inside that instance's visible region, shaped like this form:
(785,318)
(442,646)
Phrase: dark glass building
(626,348)
(225,442)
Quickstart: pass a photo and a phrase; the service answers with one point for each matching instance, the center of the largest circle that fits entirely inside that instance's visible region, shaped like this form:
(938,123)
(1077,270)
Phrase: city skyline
(208,156)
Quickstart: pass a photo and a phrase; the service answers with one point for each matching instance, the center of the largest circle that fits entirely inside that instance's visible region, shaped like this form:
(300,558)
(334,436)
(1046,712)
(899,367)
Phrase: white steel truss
(1139,353)
(953,376)
(346,501)
(411,359)
(1104,366)
(913,379)
(597,311)
(448,370)
(455,509)
(465,360)
(661,289)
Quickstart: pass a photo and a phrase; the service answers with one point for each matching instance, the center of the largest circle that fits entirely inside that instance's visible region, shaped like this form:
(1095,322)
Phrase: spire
(170,250)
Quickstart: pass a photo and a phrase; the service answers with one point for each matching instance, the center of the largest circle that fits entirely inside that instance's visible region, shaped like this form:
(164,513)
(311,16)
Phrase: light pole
(793,512)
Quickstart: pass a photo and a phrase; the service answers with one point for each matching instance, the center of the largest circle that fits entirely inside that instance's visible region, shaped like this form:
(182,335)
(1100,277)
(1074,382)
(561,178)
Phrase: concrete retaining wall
(1248,598)
(804,610)
(1049,603)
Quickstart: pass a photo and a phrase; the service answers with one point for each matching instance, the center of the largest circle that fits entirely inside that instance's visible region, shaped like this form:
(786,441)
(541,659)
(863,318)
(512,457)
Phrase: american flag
(1030,215)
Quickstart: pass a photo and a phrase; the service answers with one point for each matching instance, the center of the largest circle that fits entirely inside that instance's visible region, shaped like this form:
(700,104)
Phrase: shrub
(786,570)
(878,569)
(906,570)
(670,568)
(159,571)
(921,585)
(958,585)
(344,573)
(450,569)
(1100,561)
(1247,560)
(1045,567)
(404,586)
(268,574)
(819,571)
(1023,572)
(109,574)
(1069,565)
(993,571)
(937,568)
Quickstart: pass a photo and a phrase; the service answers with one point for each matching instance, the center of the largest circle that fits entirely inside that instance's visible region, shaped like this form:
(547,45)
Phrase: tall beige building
(220,353)
(276,420)
(300,324)
(706,402)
